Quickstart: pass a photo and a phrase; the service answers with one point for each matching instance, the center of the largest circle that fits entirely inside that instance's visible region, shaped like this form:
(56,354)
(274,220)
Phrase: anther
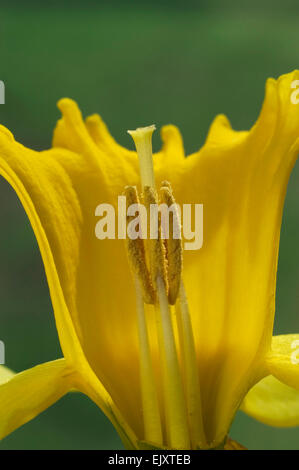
(136,252)
(156,246)
(173,244)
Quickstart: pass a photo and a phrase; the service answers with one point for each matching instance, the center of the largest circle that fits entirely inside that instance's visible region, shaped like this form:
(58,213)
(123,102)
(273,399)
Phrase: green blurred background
(135,63)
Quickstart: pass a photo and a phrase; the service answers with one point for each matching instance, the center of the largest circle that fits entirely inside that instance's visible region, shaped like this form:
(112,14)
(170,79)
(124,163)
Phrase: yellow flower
(216,353)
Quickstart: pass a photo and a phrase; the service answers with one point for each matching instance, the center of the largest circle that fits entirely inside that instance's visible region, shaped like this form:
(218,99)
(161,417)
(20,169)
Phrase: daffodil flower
(168,356)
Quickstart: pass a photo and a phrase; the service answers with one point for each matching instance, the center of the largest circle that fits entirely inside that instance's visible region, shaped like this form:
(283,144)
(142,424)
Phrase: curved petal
(59,190)
(273,403)
(27,394)
(283,359)
(241,180)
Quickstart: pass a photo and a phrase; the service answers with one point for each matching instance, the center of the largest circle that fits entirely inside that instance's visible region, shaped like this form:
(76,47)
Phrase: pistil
(165,263)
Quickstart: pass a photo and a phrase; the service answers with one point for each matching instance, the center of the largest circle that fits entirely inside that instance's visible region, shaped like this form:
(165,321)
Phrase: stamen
(143,141)
(182,403)
(136,253)
(150,405)
(190,370)
(173,244)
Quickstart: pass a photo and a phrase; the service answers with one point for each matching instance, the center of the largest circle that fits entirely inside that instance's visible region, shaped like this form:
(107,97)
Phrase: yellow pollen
(136,253)
(173,245)
(156,246)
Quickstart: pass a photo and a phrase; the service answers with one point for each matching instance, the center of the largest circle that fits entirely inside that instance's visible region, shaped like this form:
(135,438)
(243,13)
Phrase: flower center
(164,251)
(173,419)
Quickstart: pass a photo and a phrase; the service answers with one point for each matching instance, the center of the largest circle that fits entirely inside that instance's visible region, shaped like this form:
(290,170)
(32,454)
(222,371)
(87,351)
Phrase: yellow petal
(283,359)
(59,190)
(28,393)
(273,403)
(241,179)
(5,374)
